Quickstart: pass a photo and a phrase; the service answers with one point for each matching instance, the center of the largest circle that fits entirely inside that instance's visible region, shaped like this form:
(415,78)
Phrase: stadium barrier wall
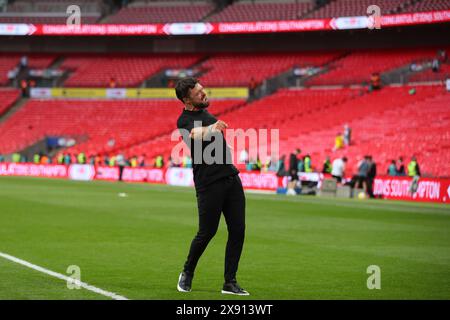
(396,188)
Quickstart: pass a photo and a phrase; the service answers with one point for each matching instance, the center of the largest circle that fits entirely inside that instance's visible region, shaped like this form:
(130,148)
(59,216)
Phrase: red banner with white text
(399,188)
(202,28)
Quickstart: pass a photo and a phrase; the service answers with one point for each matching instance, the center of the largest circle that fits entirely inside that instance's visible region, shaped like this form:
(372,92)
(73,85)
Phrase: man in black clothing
(217,183)
(293,172)
(371,174)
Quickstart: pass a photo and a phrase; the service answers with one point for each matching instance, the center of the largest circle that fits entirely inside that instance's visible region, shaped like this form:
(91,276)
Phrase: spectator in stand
(338,142)
(392,169)
(252,88)
(371,174)
(24,62)
(435,65)
(327,165)
(112,82)
(24,87)
(413,168)
(375,81)
(111,142)
(347,135)
(338,168)
(401,167)
(2,158)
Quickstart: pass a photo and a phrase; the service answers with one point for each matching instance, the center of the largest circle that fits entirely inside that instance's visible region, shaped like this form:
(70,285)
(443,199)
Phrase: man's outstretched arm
(200,133)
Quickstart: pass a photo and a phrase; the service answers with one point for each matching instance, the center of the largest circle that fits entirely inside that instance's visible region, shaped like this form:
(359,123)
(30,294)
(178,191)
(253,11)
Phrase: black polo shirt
(205,172)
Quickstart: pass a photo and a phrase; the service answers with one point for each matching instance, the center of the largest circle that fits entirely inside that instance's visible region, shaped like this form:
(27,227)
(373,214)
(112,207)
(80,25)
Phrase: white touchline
(62,277)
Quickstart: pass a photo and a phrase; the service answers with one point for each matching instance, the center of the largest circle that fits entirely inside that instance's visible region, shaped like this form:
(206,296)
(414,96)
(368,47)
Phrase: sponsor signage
(204,28)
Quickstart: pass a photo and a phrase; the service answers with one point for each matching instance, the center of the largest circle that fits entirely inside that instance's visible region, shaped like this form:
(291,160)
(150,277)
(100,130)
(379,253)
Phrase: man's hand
(219,126)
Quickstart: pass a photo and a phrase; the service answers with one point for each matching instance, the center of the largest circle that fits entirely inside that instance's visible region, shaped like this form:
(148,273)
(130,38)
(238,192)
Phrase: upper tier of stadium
(163,11)
(344,67)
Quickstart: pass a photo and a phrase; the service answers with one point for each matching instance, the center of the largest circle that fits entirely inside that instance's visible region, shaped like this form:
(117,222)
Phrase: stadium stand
(162,12)
(127,122)
(387,124)
(427,5)
(263,11)
(430,75)
(146,11)
(162,145)
(50,11)
(357,67)
(238,69)
(128,71)
(346,8)
(10,61)
(7,98)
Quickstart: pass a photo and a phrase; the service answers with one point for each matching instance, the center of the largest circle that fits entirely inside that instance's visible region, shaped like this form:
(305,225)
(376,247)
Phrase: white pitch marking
(62,277)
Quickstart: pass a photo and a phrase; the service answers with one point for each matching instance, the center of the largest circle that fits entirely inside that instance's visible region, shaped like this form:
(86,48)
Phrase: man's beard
(201,105)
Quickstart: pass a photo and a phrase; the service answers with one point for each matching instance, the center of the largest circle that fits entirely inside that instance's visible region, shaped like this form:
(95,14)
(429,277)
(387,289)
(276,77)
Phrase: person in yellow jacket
(338,142)
(134,162)
(60,158)
(413,168)
(307,163)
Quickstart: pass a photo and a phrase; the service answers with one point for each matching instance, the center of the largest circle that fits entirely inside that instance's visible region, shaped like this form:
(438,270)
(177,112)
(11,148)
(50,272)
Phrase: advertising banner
(82,172)
(33,170)
(132,93)
(143,175)
(203,28)
(399,188)
(107,173)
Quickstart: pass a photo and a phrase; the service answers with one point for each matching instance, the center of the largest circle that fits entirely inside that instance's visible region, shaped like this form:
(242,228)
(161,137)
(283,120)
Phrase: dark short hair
(183,86)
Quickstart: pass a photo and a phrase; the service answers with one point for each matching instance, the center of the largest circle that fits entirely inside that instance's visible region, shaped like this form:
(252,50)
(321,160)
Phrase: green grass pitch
(295,247)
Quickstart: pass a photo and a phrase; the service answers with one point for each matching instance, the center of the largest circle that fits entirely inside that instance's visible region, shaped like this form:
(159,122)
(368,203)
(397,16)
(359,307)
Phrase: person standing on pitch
(217,183)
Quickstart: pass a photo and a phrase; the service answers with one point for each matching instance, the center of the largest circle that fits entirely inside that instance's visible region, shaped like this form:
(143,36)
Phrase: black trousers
(225,195)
